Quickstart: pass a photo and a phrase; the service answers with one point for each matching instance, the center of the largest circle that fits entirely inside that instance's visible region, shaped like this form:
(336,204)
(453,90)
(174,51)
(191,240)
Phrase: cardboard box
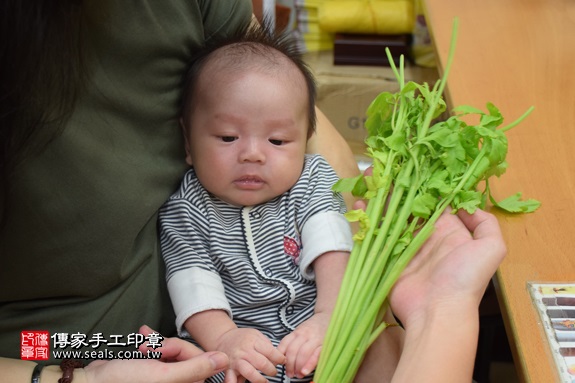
(346,91)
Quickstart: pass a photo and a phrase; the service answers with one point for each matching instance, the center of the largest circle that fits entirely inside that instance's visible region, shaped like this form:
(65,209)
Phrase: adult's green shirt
(79,250)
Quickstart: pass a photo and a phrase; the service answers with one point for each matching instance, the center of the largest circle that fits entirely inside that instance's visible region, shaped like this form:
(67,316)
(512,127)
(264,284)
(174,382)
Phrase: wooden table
(519,53)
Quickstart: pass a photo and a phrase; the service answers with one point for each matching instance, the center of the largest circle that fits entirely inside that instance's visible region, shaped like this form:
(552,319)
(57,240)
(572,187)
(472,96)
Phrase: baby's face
(247,135)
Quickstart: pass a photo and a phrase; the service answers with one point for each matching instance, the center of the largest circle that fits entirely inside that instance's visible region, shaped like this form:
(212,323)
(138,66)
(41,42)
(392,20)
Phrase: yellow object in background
(386,17)
(310,37)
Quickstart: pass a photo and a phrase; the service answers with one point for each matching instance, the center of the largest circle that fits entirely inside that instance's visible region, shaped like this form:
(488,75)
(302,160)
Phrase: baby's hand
(250,352)
(302,347)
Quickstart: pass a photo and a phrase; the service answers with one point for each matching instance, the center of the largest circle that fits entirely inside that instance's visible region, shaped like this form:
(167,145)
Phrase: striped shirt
(254,262)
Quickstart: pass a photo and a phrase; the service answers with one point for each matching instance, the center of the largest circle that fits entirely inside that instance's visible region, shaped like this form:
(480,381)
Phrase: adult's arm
(125,371)
(437,300)
(445,283)
(15,370)
(332,146)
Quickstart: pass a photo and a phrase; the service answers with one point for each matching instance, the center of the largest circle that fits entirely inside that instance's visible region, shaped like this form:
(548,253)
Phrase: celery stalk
(420,168)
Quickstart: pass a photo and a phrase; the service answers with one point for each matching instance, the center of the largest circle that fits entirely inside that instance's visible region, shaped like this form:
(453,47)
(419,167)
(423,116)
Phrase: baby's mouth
(250,180)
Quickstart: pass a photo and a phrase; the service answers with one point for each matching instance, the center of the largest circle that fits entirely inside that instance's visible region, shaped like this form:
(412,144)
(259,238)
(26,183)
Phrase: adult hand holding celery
(420,168)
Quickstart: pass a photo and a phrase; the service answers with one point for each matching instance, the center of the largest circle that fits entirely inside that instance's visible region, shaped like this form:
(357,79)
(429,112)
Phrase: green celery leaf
(467,109)
(423,205)
(494,119)
(513,204)
(397,142)
(376,143)
(378,178)
(410,87)
(498,170)
(486,132)
(438,181)
(454,159)
(360,216)
(440,134)
(428,95)
(469,200)
(404,178)
(497,149)
(378,115)
(355,185)
(402,243)
(491,122)
(470,140)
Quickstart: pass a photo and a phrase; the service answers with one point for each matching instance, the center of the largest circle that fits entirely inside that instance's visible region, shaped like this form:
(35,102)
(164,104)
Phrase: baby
(254,240)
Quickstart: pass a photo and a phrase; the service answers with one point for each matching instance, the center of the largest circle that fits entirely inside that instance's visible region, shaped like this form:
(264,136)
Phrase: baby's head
(248,110)
(251,49)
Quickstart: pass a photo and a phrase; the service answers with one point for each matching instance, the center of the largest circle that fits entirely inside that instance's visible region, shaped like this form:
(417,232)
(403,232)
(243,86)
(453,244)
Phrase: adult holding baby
(91,148)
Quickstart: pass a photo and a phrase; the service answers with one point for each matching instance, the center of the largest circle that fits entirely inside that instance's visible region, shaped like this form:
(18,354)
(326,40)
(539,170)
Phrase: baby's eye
(276,142)
(228,138)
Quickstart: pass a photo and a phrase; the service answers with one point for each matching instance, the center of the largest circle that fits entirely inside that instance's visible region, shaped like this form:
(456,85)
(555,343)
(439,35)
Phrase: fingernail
(219,360)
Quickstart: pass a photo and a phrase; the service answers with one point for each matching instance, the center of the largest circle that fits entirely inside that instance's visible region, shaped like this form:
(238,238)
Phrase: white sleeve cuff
(323,232)
(195,290)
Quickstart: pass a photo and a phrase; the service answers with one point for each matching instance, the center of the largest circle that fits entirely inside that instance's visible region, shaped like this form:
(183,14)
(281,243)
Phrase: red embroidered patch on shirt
(291,248)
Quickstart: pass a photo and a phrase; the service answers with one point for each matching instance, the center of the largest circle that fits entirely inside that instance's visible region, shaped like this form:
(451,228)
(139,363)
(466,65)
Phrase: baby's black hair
(256,39)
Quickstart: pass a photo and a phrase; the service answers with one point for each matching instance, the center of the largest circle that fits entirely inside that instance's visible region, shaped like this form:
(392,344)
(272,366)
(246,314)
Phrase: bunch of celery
(420,167)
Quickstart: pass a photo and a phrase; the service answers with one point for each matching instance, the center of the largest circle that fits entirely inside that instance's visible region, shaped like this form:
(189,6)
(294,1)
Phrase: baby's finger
(274,355)
(230,376)
(291,346)
(311,363)
(246,370)
(285,343)
(261,363)
(301,355)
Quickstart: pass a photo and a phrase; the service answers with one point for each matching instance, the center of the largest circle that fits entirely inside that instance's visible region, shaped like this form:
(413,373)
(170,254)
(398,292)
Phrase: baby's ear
(186,141)
(182,126)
